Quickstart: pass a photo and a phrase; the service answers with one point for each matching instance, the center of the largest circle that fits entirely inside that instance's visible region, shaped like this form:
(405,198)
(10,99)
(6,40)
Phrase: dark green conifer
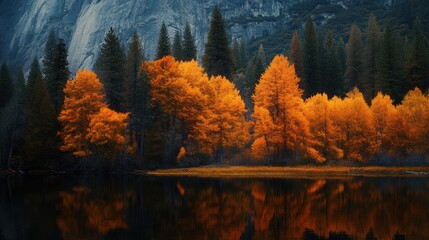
(311,59)
(164,46)
(370,55)
(354,61)
(217,58)
(417,60)
(40,141)
(177,47)
(189,49)
(389,75)
(6,86)
(110,68)
(332,81)
(136,96)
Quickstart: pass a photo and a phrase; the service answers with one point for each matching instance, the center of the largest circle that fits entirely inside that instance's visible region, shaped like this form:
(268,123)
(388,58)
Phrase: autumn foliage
(333,129)
(86,119)
(199,115)
(281,129)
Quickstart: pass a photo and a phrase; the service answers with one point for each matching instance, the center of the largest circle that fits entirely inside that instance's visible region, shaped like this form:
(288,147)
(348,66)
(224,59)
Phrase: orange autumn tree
(384,117)
(223,124)
(353,118)
(281,129)
(107,131)
(177,88)
(317,111)
(83,101)
(414,114)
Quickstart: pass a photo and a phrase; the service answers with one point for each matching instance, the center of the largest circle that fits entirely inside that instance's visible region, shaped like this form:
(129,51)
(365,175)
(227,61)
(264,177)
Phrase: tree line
(326,101)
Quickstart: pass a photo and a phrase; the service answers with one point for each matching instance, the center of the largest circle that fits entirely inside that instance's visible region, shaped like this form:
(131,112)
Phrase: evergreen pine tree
(296,57)
(417,63)
(217,55)
(40,141)
(48,61)
(136,95)
(20,80)
(261,55)
(6,86)
(354,71)
(371,51)
(177,47)
(32,76)
(254,71)
(189,48)
(243,54)
(389,67)
(164,46)
(235,49)
(332,81)
(111,71)
(58,76)
(341,52)
(311,59)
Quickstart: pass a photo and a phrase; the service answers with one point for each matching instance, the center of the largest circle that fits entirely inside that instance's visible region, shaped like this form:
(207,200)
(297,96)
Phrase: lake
(142,207)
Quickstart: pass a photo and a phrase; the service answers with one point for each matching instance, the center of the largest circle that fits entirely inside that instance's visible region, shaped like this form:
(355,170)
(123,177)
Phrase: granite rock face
(25,24)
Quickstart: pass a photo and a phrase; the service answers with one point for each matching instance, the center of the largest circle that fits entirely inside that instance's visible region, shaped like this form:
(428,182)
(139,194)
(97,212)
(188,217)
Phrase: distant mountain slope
(339,18)
(25,24)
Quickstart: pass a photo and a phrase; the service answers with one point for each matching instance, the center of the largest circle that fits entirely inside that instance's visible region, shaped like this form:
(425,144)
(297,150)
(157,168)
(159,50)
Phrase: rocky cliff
(25,24)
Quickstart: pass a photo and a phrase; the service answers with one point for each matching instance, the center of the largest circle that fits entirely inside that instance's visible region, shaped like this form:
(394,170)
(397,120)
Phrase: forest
(328,102)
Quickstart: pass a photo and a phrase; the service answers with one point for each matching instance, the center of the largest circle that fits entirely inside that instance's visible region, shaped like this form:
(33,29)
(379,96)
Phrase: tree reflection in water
(190,208)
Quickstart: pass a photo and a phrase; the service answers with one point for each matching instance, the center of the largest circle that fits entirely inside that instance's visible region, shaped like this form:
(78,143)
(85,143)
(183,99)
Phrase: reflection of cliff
(84,215)
(322,206)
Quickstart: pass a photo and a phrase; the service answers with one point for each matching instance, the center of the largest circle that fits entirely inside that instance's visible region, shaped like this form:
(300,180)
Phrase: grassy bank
(299,171)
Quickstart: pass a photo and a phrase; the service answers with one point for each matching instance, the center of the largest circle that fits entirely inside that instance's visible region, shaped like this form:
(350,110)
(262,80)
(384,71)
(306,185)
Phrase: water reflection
(186,208)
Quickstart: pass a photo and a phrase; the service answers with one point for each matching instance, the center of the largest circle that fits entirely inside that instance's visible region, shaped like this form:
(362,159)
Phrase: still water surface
(140,207)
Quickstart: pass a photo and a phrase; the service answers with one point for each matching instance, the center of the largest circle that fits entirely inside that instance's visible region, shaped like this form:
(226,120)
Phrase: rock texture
(25,24)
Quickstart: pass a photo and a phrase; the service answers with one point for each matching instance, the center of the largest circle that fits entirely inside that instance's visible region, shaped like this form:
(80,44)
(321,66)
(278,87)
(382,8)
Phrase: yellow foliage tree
(223,124)
(384,116)
(353,118)
(414,113)
(107,130)
(279,106)
(178,88)
(317,111)
(83,123)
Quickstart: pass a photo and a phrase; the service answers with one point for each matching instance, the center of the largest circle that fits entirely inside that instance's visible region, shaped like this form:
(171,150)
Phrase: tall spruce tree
(417,60)
(20,80)
(110,68)
(341,52)
(40,141)
(354,61)
(243,54)
(48,60)
(217,58)
(371,51)
(296,57)
(189,49)
(164,45)
(34,73)
(261,55)
(6,86)
(136,96)
(311,59)
(332,81)
(389,75)
(58,76)
(254,71)
(177,47)
(235,49)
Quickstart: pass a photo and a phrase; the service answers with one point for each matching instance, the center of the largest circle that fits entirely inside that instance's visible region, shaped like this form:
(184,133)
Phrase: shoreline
(292,172)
